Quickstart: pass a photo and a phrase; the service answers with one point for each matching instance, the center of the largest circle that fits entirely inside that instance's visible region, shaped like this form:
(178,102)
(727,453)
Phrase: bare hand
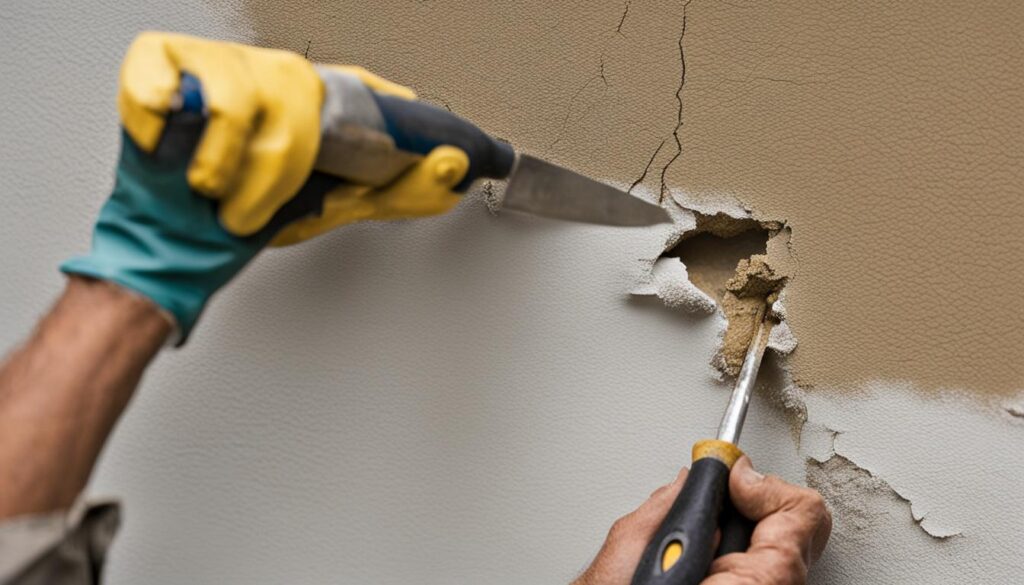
(793,525)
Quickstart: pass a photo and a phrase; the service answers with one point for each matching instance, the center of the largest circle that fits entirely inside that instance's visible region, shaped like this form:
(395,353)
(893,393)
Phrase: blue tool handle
(190,90)
(419,127)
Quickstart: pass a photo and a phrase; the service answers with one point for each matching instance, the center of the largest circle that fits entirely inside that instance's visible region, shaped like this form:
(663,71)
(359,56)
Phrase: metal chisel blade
(541,188)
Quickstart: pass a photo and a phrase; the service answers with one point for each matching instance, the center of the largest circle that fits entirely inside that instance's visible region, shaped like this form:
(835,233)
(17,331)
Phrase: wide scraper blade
(541,188)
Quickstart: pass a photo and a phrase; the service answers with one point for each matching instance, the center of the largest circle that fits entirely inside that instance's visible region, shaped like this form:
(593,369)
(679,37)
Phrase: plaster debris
(492,196)
(791,398)
(744,304)
(781,338)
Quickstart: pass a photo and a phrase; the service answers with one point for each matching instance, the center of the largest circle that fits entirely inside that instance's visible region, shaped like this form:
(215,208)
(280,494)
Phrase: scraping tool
(683,547)
(371,138)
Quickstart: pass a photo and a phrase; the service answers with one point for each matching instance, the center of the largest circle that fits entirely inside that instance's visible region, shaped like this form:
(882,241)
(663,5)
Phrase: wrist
(111,309)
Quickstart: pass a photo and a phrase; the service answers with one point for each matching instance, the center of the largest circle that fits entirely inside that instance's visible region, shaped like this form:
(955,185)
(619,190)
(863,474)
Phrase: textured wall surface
(481,394)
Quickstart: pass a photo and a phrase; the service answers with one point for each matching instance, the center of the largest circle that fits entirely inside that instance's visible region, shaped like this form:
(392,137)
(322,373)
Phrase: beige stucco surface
(889,136)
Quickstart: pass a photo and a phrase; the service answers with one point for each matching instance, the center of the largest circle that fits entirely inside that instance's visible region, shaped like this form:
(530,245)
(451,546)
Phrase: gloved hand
(177,227)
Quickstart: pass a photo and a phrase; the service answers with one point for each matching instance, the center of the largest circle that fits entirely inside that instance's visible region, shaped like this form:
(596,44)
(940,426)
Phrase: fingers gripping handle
(415,127)
(183,131)
(736,530)
(683,547)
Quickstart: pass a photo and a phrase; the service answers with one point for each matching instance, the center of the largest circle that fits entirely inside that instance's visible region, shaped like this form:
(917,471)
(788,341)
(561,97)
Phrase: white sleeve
(60,548)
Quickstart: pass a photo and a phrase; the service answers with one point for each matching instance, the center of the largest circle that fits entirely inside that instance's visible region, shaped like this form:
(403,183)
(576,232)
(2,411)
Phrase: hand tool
(370,138)
(682,549)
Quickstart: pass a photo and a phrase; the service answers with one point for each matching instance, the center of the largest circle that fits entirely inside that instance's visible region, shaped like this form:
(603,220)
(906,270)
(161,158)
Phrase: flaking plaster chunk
(831,431)
(670,283)
(817,442)
(781,339)
(843,484)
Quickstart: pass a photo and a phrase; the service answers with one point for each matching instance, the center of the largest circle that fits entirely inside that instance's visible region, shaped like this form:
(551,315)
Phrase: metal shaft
(732,421)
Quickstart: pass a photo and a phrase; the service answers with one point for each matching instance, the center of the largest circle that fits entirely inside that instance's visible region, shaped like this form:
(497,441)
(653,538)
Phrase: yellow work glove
(207,176)
(262,134)
(423,190)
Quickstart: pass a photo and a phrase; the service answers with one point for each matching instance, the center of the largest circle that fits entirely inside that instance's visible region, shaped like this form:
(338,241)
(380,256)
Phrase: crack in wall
(436,99)
(679,111)
(647,168)
(625,13)
(674,135)
(569,109)
(604,79)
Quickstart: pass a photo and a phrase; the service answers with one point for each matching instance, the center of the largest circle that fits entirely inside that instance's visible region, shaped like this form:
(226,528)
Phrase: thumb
(757,496)
(447,166)
(426,188)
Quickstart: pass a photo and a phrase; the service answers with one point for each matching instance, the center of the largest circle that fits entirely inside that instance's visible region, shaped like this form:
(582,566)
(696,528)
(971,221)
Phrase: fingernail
(747,472)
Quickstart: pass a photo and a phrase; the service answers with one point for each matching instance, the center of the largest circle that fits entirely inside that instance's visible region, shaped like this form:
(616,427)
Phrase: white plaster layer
(897,436)
(669,281)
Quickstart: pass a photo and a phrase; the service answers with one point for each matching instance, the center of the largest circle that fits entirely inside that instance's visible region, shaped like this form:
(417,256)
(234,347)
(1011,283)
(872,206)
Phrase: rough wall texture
(470,384)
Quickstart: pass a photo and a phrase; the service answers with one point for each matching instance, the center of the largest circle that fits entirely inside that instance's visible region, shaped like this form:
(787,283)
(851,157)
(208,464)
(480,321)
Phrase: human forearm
(63,390)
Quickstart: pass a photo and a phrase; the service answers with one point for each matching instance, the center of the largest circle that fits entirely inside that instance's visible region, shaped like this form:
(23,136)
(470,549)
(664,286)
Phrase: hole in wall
(733,261)
(711,259)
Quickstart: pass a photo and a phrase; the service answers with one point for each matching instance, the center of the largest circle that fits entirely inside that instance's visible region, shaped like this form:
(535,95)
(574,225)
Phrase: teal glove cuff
(157,237)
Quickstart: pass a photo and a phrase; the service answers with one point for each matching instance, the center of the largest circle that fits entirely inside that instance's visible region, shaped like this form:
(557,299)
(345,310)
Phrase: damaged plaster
(720,257)
(843,484)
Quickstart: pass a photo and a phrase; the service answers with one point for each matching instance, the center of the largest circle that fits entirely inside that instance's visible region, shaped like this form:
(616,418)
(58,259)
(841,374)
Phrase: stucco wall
(472,399)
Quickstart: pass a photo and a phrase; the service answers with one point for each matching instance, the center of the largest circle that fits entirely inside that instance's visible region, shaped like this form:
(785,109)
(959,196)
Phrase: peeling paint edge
(809,445)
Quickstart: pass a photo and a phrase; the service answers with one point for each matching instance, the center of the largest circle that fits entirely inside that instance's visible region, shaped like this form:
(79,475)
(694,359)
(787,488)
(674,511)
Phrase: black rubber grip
(418,128)
(736,530)
(691,522)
